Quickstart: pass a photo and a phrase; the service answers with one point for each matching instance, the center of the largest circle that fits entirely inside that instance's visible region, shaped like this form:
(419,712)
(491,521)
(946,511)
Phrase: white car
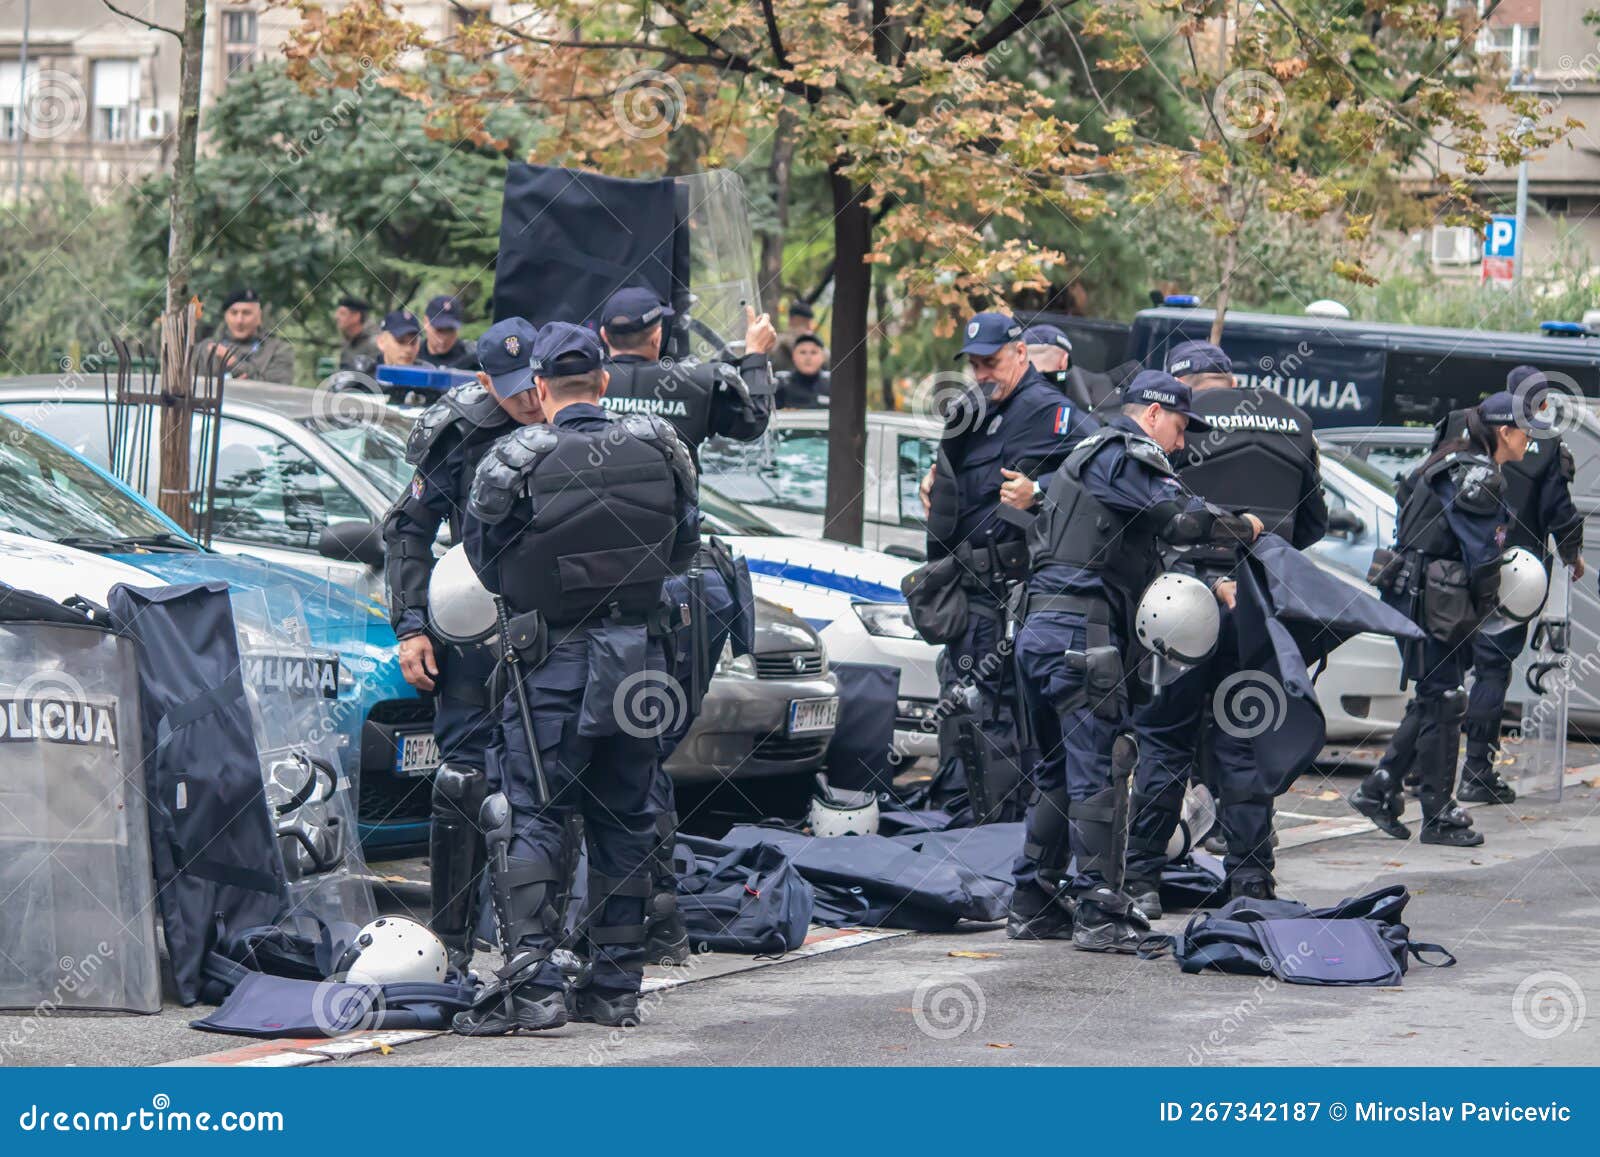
(851,597)
(783,480)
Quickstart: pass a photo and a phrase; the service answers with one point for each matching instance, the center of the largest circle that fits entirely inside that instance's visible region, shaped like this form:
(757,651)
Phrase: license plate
(811,715)
(417,755)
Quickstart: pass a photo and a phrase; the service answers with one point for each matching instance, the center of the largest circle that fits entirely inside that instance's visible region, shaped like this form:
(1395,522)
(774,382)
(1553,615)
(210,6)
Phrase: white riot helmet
(460,609)
(1522,585)
(394,950)
(836,812)
(1178,620)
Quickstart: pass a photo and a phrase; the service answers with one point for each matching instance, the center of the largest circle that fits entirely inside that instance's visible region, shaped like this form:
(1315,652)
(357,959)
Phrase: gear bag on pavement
(749,900)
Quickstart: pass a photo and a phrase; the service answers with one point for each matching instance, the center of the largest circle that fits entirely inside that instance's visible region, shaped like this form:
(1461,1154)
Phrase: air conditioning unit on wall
(154,124)
(1457,245)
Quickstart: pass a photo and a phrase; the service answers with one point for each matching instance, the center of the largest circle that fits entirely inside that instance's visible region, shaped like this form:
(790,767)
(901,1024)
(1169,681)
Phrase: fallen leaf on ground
(965,955)
(1001,1045)
(384,1049)
(1329,795)
(1394,863)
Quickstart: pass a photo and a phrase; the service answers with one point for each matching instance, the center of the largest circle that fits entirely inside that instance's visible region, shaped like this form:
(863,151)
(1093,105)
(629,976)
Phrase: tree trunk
(847,404)
(880,329)
(177,328)
(778,174)
(1230,261)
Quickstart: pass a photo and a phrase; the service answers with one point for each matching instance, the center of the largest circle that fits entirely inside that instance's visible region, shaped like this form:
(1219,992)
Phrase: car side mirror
(1346,523)
(353,542)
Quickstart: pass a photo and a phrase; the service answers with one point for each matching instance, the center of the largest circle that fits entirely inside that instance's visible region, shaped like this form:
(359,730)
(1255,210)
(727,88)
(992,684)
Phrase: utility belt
(529,633)
(990,567)
(1104,687)
(1442,595)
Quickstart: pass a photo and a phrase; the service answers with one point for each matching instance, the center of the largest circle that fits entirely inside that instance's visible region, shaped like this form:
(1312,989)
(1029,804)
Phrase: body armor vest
(682,394)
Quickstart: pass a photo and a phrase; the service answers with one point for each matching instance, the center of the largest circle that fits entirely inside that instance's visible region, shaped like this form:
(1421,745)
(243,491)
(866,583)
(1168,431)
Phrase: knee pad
(1453,705)
(458,792)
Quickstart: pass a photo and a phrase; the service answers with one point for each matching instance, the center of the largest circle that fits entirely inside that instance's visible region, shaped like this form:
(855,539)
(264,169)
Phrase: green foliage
(308,197)
(63,288)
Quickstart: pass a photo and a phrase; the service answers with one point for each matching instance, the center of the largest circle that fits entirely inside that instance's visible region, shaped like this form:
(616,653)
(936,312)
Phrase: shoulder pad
(475,404)
(426,430)
(1568,465)
(1147,452)
(1479,485)
(504,468)
(661,433)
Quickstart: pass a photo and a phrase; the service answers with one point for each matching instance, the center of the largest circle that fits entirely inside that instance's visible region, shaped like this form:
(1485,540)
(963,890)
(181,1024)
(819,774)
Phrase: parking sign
(1501,238)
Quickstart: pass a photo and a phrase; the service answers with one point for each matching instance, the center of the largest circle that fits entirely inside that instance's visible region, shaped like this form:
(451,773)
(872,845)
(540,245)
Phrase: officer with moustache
(731,399)
(574,525)
(1258,453)
(447,442)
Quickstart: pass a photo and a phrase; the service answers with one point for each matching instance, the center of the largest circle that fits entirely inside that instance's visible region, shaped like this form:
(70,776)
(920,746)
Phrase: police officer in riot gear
(1444,572)
(1539,495)
(573,525)
(448,440)
(1259,453)
(1093,549)
(1008,430)
(701,400)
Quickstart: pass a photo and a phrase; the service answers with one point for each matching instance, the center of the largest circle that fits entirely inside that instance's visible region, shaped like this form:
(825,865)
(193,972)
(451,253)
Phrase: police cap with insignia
(1507,409)
(444,312)
(1165,391)
(240,295)
(401,323)
(989,333)
(632,309)
(1198,357)
(563,350)
(504,351)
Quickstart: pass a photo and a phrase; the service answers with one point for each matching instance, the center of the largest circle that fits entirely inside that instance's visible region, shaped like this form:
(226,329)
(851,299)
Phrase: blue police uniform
(1445,574)
(1094,548)
(701,400)
(575,525)
(1031,431)
(446,443)
(1539,496)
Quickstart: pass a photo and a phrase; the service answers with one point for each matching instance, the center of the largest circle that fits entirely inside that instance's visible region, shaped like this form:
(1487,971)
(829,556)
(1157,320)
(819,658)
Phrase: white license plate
(418,754)
(810,715)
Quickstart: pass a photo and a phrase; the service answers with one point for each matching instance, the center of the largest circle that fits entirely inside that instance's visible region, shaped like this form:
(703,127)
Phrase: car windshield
(725,516)
(377,449)
(1361,468)
(787,469)
(47,492)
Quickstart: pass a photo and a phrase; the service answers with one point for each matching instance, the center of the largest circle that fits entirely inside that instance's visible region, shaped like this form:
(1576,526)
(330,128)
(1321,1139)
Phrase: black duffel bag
(937,601)
(750,900)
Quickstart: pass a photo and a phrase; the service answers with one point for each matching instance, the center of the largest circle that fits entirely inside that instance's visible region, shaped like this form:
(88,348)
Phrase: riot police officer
(701,400)
(573,525)
(448,440)
(1008,430)
(1259,454)
(1093,549)
(1539,495)
(1445,573)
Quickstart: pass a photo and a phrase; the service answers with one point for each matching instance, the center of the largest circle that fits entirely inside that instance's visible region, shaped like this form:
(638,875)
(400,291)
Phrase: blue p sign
(1501,240)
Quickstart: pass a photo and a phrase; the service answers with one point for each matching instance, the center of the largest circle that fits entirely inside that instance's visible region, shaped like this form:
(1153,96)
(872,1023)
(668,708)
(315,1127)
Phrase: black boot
(1255,887)
(1146,895)
(1036,915)
(1378,800)
(1452,827)
(1107,921)
(666,937)
(1484,785)
(513,1008)
(612,1009)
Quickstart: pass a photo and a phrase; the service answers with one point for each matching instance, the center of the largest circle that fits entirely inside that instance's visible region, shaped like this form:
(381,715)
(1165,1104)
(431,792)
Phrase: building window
(1517,44)
(116,100)
(238,41)
(12,98)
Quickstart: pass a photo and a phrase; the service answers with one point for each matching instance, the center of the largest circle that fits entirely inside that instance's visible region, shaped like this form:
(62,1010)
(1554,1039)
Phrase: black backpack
(1358,941)
(750,900)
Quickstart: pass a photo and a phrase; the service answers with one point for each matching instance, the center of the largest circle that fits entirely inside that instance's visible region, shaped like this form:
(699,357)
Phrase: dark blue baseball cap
(1198,357)
(1520,374)
(564,350)
(1165,391)
(1047,335)
(1507,409)
(503,352)
(401,323)
(444,312)
(989,333)
(633,309)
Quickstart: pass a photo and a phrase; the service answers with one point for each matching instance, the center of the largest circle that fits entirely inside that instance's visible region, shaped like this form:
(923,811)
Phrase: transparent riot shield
(293,688)
(77,923)
(722,266)
(1541,744)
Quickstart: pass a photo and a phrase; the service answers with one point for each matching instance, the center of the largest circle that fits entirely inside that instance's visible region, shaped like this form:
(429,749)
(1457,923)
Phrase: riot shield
(1540,748)
(77,919)
(721,262)
(293,689)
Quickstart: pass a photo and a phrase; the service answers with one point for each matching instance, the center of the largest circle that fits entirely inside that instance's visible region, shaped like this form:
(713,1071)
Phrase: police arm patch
(1063,422)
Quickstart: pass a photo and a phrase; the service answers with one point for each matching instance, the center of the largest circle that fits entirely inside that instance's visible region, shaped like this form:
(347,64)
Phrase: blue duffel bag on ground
(1358,941)
(748,900)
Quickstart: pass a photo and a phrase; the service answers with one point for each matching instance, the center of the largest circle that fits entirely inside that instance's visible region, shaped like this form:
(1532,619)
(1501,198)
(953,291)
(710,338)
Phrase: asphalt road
(1522,913)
